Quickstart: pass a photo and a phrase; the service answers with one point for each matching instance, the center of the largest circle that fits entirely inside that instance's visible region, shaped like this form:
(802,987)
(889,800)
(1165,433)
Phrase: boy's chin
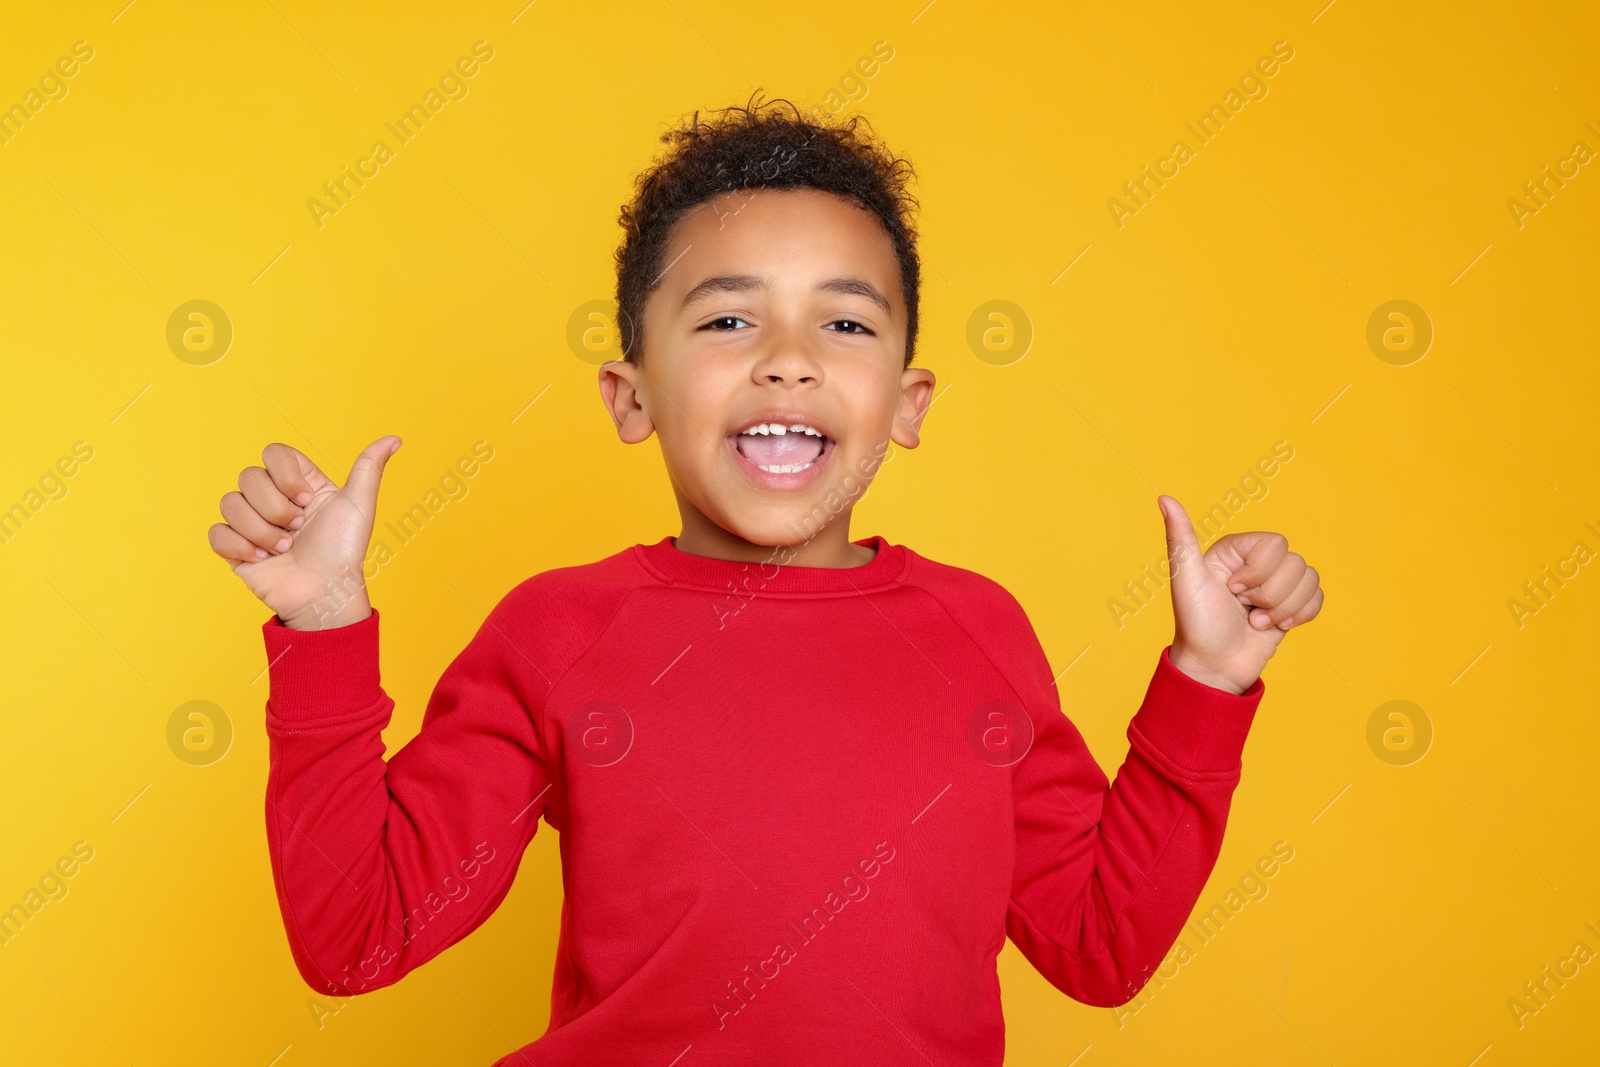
(788,528)
(780,525)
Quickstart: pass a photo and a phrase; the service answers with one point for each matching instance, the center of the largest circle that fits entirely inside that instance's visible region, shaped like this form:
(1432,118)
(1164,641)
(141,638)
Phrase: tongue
(773,450)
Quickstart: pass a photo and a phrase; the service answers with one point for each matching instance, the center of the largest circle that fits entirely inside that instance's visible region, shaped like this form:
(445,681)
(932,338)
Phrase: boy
(805,785)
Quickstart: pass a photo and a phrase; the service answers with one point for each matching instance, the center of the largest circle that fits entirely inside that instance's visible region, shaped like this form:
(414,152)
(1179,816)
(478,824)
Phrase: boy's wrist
(1202,673)
(319,615)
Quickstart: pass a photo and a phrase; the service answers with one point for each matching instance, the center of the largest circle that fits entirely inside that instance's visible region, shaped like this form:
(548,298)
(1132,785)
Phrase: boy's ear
(619,390)
(916,393)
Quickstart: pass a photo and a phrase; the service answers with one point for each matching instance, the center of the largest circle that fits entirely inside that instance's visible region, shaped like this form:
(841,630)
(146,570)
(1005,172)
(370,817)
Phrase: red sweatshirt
(800,809)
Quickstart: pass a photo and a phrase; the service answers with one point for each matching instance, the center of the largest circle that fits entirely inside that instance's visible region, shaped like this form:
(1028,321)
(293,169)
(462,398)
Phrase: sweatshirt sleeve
(1107,872)
(381,865)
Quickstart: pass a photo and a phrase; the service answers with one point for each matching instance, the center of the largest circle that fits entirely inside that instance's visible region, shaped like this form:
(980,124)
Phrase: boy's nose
(787,359)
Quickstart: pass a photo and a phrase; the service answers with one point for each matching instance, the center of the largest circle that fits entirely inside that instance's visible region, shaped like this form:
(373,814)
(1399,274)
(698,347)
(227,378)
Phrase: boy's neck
(831,547)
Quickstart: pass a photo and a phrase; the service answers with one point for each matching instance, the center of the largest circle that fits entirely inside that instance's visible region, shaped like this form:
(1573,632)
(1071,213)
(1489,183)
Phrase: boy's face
(778,306)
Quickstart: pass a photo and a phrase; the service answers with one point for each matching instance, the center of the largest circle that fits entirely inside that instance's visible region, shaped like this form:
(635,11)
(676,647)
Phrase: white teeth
(784,468)
(780,429)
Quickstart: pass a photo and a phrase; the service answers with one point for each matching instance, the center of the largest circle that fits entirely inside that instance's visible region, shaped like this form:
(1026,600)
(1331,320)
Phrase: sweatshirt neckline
(676,567)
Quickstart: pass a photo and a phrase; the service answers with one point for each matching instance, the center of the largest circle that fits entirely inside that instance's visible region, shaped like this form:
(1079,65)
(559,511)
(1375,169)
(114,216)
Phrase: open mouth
(776,448)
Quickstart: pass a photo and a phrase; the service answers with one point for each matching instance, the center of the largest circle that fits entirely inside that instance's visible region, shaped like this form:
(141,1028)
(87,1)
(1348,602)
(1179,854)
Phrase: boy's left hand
(1233,604)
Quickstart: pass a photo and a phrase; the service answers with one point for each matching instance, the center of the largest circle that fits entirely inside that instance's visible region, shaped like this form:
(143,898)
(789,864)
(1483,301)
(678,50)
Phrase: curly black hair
(760,145)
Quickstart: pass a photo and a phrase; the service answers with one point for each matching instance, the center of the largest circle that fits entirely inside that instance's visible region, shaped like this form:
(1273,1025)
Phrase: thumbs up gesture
(297,540)
(1233,604)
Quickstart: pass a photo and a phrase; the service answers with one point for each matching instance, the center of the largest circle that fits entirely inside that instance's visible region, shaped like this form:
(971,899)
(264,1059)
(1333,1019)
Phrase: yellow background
(1223,317)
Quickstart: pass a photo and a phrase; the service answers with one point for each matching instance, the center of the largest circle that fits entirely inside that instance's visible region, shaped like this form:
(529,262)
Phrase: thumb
(368,469)
(1183,546)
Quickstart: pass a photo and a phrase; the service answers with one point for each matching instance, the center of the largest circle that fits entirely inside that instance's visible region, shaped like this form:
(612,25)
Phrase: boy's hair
(760,146)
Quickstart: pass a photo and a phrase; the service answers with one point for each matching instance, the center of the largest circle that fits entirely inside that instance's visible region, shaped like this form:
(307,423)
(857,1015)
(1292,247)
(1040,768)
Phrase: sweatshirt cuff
(1196,726)
(319,674)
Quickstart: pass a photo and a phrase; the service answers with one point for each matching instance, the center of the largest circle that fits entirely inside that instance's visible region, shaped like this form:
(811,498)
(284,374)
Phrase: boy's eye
(727,323)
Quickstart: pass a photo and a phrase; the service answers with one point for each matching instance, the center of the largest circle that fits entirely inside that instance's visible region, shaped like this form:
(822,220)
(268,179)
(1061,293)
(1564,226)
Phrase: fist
(297,540)
(1233,604)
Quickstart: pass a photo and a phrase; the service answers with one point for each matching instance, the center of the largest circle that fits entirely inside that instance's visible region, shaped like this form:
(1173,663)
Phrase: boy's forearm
(380,865)
(1183,761)
(326,806)
(1109,874)
(322,828)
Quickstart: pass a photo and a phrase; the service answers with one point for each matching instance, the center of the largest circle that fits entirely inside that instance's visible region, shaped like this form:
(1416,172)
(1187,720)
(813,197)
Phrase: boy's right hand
(297,540)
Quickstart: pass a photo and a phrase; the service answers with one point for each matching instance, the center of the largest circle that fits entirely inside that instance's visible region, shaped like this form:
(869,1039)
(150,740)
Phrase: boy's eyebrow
(856,287)
(723,283)
(741,283)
